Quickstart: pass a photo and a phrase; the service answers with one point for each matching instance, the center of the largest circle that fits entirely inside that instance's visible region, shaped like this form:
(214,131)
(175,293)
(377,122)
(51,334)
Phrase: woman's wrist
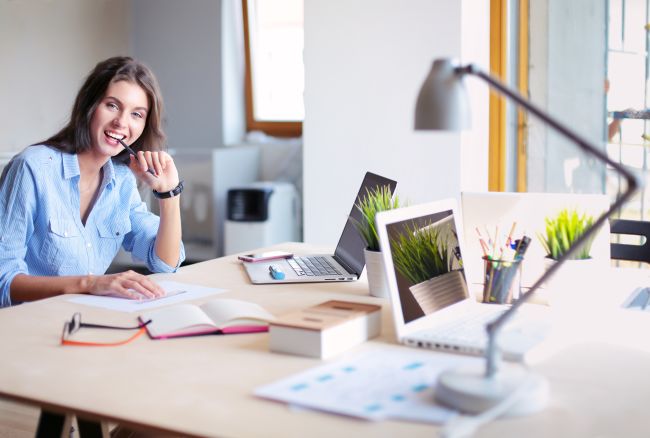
(87,283)
(175,191)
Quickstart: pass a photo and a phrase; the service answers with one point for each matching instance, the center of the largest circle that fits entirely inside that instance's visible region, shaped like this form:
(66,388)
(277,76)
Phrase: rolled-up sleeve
(17,209)
(141,240)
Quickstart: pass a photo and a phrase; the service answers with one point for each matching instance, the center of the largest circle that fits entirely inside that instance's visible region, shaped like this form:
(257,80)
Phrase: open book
(219,316)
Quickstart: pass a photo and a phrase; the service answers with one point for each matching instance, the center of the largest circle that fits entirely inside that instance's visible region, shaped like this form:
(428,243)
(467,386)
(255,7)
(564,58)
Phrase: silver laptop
(439,313)
(345,265)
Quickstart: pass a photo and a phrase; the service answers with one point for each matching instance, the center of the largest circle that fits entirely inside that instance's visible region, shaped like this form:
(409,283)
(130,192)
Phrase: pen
(132,152)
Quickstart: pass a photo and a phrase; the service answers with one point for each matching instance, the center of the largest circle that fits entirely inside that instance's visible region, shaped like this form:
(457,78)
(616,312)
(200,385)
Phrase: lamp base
(470,391)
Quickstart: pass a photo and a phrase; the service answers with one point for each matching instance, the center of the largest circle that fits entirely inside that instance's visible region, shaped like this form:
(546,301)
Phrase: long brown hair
(75,136)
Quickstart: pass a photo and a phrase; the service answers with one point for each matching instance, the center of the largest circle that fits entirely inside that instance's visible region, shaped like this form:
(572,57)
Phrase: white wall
(47,48)
(181,42)
(475,49)
(364,63)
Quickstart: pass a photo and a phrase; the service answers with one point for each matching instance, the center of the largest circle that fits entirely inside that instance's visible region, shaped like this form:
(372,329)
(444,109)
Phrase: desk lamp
(443,104)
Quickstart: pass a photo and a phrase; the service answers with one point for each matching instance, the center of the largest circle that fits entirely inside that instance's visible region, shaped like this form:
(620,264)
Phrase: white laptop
(489,211)
(347,262)
(442,315)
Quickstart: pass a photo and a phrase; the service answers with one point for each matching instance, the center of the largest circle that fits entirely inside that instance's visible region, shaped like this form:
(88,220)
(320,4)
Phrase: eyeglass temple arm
(87,325)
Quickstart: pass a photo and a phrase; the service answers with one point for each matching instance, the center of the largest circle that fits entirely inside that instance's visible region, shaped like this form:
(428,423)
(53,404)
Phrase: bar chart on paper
(390,383)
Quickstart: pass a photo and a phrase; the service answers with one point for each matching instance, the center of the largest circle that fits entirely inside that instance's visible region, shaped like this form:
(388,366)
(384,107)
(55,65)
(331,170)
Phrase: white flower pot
(376,273)
(568,286)
(440,291)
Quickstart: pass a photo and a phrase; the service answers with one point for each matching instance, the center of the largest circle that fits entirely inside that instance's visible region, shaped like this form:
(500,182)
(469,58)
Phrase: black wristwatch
(170,194)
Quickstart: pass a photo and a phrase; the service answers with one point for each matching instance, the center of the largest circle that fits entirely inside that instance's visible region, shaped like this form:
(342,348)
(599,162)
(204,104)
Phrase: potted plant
(424,256)
(561,232)
(374,201)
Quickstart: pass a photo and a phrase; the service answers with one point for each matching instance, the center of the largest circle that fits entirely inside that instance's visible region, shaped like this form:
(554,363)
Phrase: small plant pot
(440,291)
(565,287)
(376,272)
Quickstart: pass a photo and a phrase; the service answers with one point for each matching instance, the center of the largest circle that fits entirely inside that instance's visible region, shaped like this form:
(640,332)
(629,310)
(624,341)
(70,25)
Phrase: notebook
(487,211)
(345,264)
(439,313)
(218,316)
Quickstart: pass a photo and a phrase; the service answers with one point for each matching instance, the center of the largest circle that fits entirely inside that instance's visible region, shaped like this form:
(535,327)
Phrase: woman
(68,204)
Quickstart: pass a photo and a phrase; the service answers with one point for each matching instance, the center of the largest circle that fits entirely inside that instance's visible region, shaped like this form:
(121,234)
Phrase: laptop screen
(351,245)
(427,262)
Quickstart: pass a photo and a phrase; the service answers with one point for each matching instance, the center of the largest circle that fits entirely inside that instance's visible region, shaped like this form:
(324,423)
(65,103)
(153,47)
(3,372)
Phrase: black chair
(631,252)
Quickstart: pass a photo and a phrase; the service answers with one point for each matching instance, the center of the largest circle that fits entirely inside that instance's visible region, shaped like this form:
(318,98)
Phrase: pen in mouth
(132,152)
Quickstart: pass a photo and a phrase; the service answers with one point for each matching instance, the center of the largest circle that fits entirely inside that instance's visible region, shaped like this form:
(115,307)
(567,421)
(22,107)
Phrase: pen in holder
(502,280)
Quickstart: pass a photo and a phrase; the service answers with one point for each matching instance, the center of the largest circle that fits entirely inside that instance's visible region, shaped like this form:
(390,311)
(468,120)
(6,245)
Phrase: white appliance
(260,214)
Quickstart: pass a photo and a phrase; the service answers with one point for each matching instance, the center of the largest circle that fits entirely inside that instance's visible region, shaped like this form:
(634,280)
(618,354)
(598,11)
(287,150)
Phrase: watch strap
(170,194)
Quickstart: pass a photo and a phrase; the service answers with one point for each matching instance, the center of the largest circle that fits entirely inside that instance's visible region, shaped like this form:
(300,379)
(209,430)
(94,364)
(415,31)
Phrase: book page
(226,312)
(177,320)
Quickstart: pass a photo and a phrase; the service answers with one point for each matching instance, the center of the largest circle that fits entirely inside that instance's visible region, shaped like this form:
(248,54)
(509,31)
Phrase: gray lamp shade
(442,103)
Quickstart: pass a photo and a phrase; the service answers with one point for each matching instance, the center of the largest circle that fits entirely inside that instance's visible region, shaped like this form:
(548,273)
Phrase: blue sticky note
(299,387)
(373,407)
(413,366)
(419,388)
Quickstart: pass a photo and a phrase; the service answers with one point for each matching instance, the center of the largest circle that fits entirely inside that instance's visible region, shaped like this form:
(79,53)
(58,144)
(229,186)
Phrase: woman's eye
(138,115)
(112,106)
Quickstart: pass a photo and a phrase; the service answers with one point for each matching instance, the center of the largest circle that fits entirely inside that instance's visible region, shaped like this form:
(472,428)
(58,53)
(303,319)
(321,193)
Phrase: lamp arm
(494,328)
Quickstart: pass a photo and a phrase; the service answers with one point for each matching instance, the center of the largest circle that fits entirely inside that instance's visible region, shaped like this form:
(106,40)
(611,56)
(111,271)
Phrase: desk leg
(53,425)
(58,425)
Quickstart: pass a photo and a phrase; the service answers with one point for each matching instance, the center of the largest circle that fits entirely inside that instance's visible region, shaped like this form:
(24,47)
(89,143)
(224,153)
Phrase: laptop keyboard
(467,330)
(312,266)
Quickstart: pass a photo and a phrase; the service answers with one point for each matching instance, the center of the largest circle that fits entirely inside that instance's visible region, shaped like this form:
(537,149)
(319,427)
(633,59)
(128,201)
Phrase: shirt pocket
(111,234)
(61,245)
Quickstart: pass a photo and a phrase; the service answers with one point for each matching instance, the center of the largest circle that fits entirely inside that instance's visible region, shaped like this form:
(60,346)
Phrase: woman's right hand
(127,284)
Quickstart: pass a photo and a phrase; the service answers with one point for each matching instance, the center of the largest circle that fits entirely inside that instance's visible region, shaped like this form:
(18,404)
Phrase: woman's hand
(161,163)
(127,284)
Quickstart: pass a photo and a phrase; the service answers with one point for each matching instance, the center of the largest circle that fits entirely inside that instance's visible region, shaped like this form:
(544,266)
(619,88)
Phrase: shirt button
(65,234)
(90,273)
(89,244)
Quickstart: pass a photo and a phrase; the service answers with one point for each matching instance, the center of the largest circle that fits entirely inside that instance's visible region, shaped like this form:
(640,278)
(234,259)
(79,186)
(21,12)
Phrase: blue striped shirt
(41,232)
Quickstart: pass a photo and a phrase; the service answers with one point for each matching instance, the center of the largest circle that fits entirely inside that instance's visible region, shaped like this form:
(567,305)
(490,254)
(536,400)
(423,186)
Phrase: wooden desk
(203,386)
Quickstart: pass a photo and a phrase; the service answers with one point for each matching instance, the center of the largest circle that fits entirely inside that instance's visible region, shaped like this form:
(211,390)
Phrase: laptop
(347,262)
(439,313)
(489,211)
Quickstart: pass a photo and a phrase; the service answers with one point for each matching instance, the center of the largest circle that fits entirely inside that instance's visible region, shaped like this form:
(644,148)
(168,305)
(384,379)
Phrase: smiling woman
(72,200)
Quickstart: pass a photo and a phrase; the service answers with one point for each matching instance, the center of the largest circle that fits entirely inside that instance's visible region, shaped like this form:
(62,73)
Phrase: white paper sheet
(391,382)
(176,293)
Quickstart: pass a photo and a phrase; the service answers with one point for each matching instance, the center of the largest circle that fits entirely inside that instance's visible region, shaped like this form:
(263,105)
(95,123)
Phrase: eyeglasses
(73,326)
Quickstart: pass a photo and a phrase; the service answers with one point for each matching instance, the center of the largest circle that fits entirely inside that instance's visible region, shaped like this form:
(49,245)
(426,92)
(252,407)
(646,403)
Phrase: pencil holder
(502,280)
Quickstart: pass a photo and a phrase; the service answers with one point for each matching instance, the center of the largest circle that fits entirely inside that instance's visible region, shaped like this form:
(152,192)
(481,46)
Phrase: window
(508,62)
(273,32)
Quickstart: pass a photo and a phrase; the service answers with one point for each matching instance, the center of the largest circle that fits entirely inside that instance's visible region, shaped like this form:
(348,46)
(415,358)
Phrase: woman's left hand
(161,163)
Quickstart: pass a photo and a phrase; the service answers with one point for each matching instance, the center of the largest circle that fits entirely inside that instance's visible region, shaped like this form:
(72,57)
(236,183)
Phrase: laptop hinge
(347,267)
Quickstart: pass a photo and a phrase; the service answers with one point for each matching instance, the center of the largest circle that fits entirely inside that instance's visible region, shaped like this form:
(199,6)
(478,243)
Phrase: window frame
(273,128)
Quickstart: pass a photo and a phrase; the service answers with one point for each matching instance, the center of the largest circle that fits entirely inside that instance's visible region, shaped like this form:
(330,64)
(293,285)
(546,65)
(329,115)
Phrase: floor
(17,420)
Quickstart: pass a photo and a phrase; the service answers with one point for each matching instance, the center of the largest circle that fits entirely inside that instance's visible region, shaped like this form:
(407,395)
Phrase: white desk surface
(203,385)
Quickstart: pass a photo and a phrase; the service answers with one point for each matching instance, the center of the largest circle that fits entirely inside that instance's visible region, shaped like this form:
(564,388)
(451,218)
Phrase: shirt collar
(70,165)
(71,168)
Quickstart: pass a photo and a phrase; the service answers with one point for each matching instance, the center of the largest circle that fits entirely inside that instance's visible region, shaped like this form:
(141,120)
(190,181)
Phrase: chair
(624,251)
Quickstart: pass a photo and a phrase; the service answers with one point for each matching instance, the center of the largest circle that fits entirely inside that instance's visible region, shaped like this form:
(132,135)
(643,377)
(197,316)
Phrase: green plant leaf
(374,201)
(563,230)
